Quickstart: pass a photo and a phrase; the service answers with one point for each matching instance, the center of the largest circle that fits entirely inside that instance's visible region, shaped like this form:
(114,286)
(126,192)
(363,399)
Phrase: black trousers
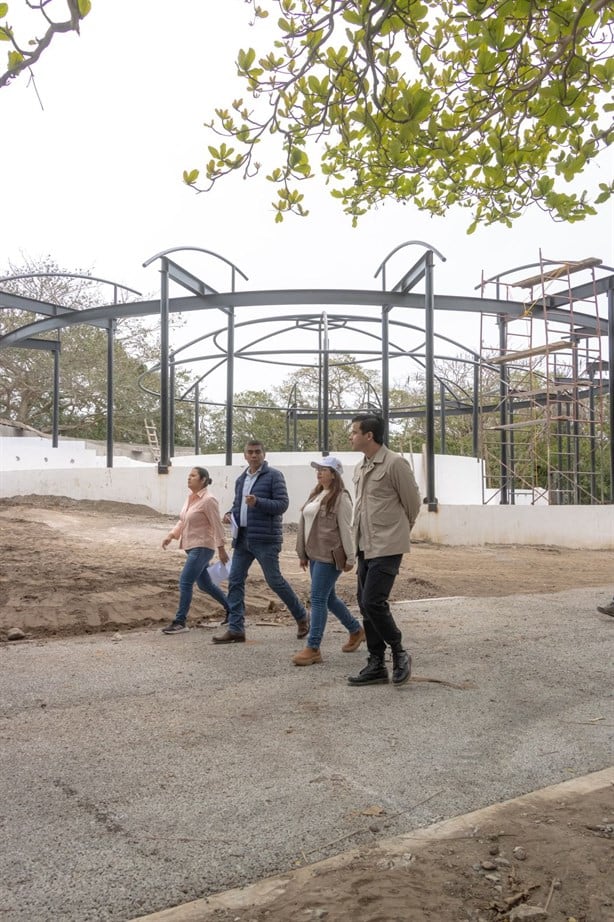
(375,581)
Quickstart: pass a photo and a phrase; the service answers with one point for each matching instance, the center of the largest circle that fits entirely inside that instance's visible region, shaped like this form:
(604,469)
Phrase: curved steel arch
(313,322)
(277,298)
(18,302)
(203,297)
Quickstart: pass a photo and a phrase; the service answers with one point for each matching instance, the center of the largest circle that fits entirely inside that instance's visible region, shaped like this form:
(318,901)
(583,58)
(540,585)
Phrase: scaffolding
(545,391)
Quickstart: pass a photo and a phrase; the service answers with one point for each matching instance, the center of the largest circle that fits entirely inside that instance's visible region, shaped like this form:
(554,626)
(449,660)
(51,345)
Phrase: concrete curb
(259,894)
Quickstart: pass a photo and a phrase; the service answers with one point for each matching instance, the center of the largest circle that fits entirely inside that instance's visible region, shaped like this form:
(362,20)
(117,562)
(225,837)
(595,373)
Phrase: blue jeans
(195,571)
(375,581)
(267,555)
(324,599)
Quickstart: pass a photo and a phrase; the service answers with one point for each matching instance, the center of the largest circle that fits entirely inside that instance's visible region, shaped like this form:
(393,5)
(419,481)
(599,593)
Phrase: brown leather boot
(354,641)
(307,657)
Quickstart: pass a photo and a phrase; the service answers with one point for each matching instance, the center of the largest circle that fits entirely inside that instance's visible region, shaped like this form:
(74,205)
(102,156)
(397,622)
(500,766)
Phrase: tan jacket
(329,530)
(387,504)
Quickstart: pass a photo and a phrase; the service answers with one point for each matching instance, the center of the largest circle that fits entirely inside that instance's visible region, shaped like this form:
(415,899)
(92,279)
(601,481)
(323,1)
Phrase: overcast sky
(94,177)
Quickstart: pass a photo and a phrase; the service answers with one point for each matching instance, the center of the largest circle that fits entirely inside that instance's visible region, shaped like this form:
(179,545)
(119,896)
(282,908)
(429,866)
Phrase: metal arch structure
(318,324)
(18,302)
(203,296)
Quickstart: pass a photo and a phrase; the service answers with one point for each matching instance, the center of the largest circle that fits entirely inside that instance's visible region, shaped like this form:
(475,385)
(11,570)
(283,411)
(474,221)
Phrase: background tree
(23,52)
(488,104)
(26,376)
(254,418)
(350,387)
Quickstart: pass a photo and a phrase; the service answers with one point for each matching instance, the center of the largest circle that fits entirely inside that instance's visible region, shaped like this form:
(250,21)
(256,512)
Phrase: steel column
(55,423)
(610,388)
(325,386)
(172,406)
(429,329)
(110,389)
(503,416)
(197,420)
(442,418)
(230,378)
(165,460)
(475,410)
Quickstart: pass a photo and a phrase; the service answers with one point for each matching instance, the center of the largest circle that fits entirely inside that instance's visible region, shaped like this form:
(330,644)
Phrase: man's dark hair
(369,422)
(252,442)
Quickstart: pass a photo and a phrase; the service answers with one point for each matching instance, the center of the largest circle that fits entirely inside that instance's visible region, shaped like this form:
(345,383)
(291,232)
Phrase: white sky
(94,179)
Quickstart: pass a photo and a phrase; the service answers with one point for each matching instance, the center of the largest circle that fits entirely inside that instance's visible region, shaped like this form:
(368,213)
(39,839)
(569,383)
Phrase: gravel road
(142,772)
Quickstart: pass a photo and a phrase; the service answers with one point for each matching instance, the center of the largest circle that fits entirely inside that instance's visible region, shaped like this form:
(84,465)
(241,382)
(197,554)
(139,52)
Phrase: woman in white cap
(325,544)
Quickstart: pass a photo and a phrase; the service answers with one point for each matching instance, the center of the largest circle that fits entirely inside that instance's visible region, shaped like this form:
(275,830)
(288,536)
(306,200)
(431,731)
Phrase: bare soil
(74,567)
(558,857)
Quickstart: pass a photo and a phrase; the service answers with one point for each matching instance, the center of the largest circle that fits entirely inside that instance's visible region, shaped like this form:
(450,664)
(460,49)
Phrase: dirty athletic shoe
(177,627)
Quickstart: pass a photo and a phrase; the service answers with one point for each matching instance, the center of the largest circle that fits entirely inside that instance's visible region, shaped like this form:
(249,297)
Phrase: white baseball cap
(329,461)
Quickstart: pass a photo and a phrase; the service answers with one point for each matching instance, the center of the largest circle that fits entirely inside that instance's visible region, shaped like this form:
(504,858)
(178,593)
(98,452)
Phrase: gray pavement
(143,773)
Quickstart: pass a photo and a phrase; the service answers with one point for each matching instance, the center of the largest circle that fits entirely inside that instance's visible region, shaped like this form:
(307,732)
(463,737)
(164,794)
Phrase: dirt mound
(72,566)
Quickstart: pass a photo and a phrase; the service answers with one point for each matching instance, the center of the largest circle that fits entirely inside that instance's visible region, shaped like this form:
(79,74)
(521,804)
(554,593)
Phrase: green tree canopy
(492,105)
(26,376)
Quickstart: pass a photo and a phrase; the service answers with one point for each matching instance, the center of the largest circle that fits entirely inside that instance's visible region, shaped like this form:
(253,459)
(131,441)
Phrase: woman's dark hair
(203,473)
(370,422)
(337,486)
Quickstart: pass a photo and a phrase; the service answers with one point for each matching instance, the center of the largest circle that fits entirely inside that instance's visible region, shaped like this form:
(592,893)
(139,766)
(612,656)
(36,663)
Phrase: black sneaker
(177,627)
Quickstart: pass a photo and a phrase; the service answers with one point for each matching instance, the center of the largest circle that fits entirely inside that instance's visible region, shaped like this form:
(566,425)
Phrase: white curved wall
(460,519)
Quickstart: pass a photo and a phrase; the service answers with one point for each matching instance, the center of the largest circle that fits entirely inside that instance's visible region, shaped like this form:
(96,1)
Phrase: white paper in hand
(219,571)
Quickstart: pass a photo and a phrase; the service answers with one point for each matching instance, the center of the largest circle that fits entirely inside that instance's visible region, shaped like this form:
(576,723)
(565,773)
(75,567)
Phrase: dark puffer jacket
(264,520)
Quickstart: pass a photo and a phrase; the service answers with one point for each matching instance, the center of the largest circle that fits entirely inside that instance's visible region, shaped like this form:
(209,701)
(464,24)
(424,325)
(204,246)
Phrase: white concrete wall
(587,527)
(31,453)
(461,519)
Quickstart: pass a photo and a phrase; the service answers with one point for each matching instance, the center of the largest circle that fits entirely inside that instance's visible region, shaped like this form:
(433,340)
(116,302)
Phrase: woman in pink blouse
(200,532)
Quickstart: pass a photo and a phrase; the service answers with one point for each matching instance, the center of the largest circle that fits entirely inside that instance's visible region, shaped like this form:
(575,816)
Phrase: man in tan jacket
(387,505)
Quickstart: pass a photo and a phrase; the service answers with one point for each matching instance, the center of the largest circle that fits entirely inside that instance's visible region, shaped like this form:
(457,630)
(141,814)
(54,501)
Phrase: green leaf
(15,59)
(354,18)
(190,177)
(84,7)
(245,59)
(556,115)
(4,8)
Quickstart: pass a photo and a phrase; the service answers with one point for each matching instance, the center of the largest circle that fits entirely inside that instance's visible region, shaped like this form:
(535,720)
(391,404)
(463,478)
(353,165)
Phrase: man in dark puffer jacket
(261,498)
